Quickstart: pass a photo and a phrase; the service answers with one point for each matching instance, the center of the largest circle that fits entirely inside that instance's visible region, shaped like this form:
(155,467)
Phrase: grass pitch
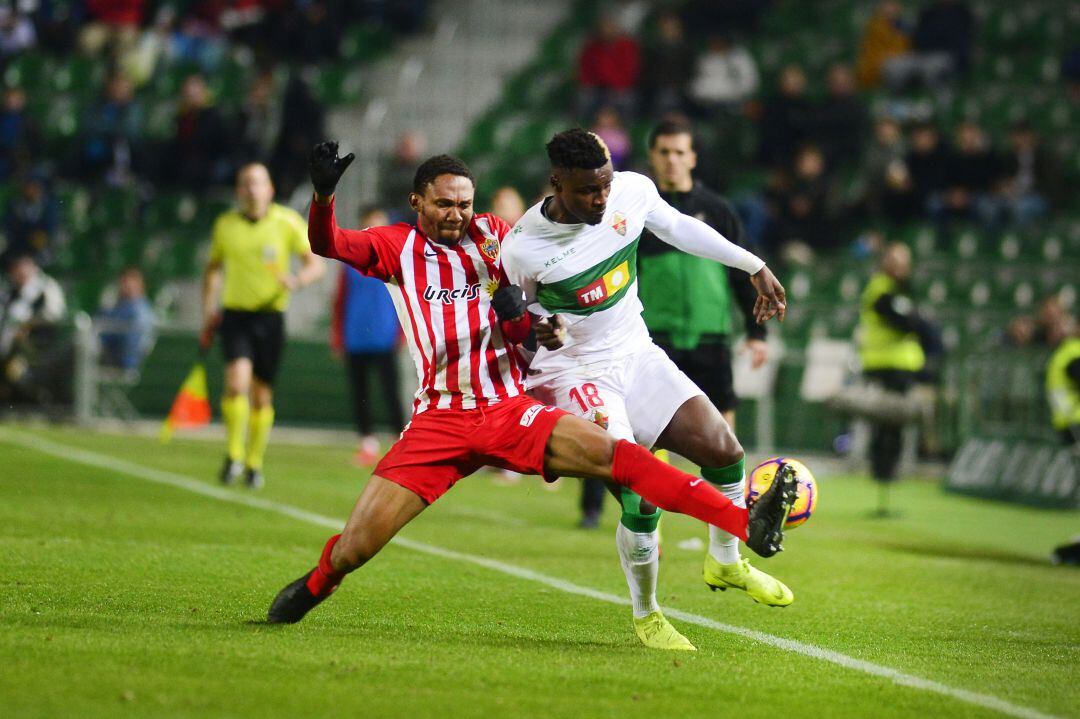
(121,597)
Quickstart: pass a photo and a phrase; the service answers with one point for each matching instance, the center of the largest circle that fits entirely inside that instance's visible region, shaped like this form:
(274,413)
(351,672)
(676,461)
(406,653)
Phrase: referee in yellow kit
(252,248)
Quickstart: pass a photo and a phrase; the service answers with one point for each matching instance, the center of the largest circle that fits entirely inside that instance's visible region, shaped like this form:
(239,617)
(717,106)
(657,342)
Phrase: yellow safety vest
(881,345)
(1061,392)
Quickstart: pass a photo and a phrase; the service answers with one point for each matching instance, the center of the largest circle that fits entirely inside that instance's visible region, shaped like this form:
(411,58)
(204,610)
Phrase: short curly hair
(577,149)
(439,165)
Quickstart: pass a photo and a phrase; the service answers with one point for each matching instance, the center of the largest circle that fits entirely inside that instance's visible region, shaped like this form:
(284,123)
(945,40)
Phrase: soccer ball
(761,477)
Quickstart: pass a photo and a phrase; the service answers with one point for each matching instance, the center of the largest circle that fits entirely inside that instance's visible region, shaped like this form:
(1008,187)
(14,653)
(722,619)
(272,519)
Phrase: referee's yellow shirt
(255,255)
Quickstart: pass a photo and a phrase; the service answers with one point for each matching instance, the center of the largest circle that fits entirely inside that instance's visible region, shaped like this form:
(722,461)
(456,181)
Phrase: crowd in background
(829,165)
(138,42)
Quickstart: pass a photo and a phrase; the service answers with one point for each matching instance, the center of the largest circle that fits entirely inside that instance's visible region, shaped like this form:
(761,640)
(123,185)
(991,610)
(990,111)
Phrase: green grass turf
(124,598)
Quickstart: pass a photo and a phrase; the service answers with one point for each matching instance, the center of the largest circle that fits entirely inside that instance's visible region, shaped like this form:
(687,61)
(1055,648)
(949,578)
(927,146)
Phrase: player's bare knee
(721,449)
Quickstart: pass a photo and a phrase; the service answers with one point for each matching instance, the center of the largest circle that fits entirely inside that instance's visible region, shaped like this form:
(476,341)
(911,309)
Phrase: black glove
(508,302)
(326,167)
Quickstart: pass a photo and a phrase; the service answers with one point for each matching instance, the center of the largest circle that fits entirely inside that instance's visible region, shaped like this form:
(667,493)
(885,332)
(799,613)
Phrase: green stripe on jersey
(595,289)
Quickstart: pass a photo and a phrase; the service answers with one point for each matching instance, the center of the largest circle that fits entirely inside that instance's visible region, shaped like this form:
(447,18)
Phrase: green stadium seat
(78,75)
(922,239)
(365,43)
(113,208)
(798,324)
(61,121)
(28,70)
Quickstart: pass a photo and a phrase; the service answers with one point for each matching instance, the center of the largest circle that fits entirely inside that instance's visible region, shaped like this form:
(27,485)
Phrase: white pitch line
(179,481)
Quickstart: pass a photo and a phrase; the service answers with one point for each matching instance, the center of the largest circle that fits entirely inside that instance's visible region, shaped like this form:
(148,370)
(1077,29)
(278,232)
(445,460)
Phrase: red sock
(325,578)
(675,490)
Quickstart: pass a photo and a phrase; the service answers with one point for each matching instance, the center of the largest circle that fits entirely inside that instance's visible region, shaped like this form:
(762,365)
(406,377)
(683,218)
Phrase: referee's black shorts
(708,365)
(258,336)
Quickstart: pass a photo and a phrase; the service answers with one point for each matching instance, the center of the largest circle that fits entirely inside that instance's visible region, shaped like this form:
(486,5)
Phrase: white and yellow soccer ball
(761,478)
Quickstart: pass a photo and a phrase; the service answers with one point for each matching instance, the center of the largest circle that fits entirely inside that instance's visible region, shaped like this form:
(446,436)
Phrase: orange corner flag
(191,408)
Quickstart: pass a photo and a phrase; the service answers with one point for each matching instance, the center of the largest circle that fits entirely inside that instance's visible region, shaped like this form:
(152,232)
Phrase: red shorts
(440,446)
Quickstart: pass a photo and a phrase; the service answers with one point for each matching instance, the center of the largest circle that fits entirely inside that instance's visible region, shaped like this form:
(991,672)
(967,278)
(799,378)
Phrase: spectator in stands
(840,121)
(1020,332)
(885,183)
(609,128)
(801,211)
(259,120)
(17,33)
(127,323)
(201,149)
(1054,322)
(56,22)
(725,77)
(20,140)
(941,46)
(884,37)
(667,67)
(926,164)
(890,352)
(971,172)
(113,25)
(737,16)
(507,203)
(785,119)
(113,134)
(31,305)
(313,31)
(396,176)
(153,47)
(629,14)
(608,70)
(1070,72)
(198,37)
(1029,177)
(364,330)
(302,120)
(32,220)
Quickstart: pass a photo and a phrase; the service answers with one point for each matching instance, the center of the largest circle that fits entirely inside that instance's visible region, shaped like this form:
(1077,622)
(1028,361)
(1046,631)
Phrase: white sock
(724,546)
(639,554)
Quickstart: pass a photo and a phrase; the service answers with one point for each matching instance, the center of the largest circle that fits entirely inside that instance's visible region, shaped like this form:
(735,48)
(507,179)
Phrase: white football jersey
(586,274)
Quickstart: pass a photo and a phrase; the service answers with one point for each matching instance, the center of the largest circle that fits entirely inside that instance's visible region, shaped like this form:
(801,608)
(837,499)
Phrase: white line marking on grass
(179,481)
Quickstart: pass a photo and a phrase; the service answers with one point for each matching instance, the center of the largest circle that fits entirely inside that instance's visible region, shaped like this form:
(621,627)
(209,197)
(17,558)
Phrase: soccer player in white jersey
(574,256)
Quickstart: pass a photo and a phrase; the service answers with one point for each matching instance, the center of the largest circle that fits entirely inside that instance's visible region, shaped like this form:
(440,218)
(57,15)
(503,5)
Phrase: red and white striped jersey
(443,299)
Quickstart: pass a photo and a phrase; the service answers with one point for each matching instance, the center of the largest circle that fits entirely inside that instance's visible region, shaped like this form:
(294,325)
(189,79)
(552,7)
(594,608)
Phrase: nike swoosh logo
(430,253)
(697,481)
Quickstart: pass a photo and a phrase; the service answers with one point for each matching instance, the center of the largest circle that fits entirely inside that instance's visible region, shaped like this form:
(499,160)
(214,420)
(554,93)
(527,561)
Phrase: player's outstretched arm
(693,236)
(324,236)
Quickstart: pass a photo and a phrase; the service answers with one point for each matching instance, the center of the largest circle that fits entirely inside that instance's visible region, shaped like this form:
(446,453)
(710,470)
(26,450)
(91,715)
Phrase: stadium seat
(365,43)
(27,70)
(79,75)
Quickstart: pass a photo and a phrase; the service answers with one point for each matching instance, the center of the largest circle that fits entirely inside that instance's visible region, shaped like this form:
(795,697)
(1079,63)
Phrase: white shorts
(633,397)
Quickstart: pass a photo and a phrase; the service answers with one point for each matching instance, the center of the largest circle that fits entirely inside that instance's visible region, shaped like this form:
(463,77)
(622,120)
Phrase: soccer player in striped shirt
(461,319)
(575,255)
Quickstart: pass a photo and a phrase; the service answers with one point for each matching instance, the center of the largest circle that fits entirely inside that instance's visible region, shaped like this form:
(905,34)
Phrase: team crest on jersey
(619,223)
(599,419)
(490,247)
